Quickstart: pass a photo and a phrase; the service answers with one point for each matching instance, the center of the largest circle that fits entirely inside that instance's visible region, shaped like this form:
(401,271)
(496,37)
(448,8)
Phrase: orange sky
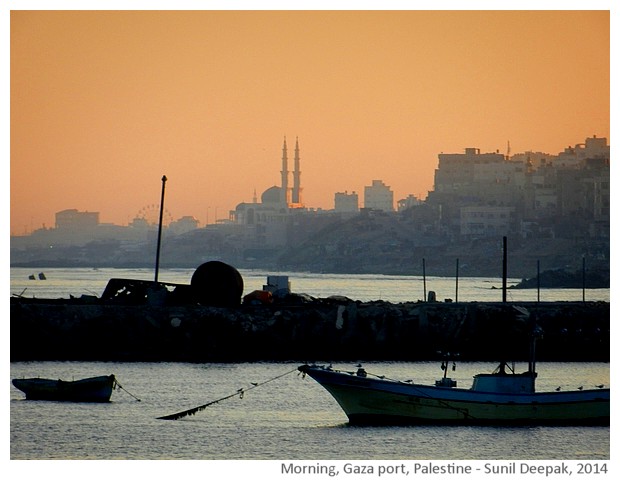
(103,103)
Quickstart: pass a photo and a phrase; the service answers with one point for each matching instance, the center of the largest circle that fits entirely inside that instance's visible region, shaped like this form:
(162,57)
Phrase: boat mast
(535,332)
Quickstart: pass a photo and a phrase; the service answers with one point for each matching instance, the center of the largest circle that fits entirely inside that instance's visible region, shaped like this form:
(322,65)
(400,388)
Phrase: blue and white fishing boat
(498,398)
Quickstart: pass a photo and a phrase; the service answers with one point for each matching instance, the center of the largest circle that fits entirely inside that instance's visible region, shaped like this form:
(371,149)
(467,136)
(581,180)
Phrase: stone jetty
(332,329)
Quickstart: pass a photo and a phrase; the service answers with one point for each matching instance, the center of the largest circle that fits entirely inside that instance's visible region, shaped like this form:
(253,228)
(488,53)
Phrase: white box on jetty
(277,283)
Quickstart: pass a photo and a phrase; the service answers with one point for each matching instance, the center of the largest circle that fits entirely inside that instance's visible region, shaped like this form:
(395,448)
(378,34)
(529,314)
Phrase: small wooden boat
(495,398)
(94,389)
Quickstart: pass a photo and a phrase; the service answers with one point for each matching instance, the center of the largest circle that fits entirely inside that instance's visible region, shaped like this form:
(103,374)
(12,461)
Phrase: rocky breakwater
(330,329)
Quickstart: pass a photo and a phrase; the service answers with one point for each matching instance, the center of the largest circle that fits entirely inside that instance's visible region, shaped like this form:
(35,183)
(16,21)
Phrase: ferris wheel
(150,213)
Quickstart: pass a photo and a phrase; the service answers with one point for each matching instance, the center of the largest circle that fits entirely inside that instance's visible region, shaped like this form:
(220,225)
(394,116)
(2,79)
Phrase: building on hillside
(472,179)
(75,220)
(183,225)
(378,196)
(410,201)
(593,148)
(458,172)
(484,220)
(533,160)
(345,202)
(569,191)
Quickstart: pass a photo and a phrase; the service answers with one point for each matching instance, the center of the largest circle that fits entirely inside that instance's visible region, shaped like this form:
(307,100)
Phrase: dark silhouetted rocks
(315,329)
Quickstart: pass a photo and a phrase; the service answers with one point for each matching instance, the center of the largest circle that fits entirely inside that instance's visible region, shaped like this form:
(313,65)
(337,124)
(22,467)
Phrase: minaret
(284,194)
(297,176)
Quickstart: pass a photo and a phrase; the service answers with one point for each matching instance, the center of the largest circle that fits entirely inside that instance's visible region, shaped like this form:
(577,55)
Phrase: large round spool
(217,284)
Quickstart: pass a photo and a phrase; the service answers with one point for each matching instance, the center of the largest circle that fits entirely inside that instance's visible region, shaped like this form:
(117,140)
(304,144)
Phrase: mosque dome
(271,195)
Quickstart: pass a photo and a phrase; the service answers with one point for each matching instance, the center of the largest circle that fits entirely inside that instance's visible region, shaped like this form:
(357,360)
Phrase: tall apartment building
(462,173)
(472,179)
(379,196)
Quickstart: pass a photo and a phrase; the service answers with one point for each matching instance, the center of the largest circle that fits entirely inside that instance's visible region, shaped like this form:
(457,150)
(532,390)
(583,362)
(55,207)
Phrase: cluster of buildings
(266,221)
(277,203)
(475,195)
(531,193)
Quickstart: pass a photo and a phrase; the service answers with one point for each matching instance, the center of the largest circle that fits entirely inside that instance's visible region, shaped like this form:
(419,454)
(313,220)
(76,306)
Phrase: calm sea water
(289,418)
(62,282)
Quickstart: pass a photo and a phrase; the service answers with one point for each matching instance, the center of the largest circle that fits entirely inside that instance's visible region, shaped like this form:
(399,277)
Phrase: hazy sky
(103,103)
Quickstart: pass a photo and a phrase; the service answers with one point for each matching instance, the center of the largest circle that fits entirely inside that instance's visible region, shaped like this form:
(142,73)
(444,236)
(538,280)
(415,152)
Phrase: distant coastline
(562,269)
(598,277)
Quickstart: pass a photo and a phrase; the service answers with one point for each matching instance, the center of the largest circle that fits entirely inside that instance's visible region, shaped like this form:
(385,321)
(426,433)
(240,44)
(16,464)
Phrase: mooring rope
(240,392)
(116,384)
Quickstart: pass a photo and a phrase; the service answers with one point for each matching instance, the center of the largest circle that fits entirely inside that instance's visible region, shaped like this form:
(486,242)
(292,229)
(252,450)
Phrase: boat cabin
(501,381)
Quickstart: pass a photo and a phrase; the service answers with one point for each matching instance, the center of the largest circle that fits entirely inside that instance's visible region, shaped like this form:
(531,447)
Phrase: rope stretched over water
(240,392)
(116,384)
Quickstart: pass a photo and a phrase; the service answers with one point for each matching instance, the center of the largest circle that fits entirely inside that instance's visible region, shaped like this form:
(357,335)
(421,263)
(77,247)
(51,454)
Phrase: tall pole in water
(583,279)
(457,281)
(161,217)
(424,276)
(504,270)
(538,280)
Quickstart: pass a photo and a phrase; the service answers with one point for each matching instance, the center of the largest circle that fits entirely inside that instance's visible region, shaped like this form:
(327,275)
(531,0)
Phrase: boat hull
(375,401)
(95,389)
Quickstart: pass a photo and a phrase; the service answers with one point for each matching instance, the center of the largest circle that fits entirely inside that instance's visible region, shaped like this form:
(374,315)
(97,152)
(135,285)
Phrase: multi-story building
(378,196)
(593,148)
(75,220)
(533,160)
(474,177)
(410,201)
(183,225)
(345,202)
(569,191)
(458,172)
(487,220)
